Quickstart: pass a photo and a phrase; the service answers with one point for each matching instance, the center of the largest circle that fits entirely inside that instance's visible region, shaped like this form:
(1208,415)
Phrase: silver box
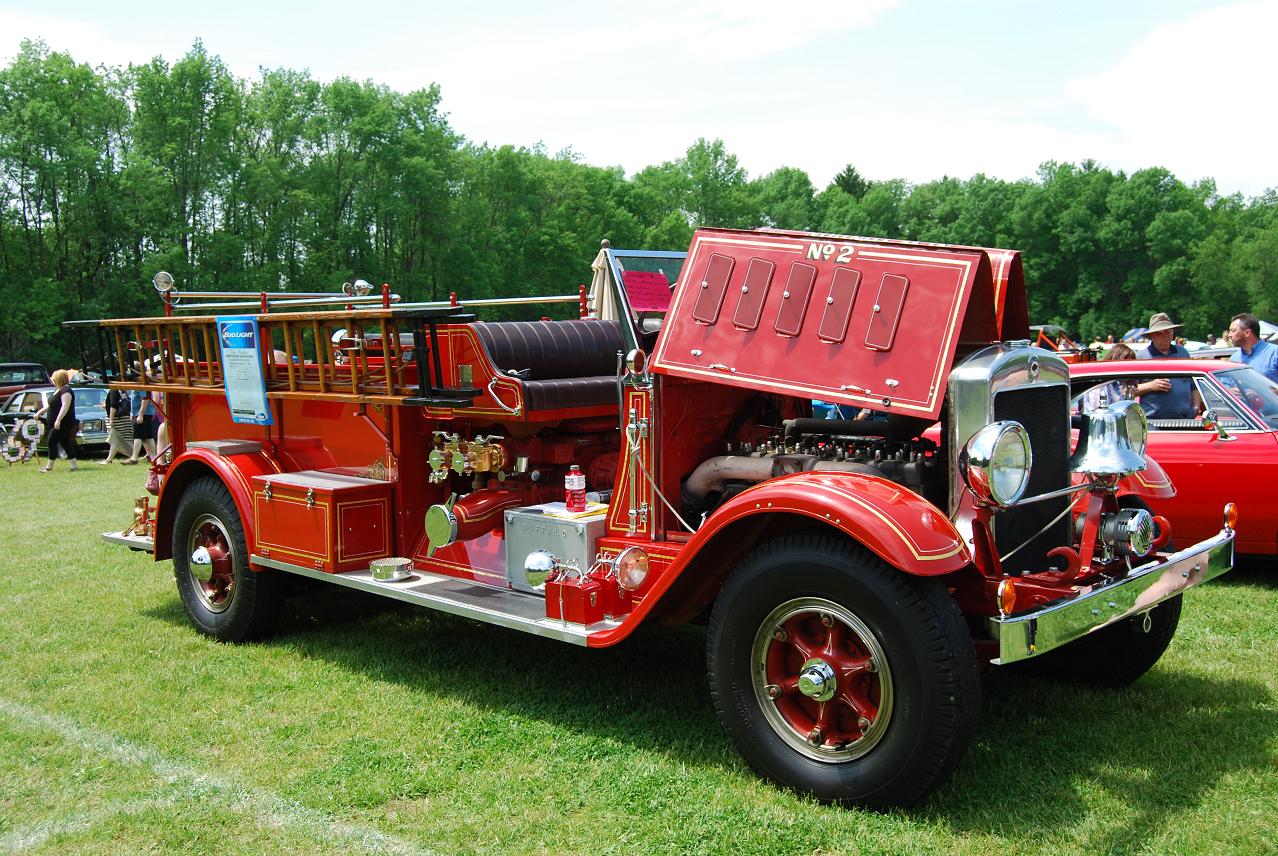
(529,529)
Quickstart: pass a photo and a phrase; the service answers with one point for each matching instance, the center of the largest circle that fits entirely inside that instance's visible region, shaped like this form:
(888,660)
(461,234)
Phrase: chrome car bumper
(1032,633)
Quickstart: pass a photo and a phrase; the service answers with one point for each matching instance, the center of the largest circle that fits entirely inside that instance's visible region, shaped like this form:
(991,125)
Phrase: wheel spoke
(798,637)
(834,640)
(860,705)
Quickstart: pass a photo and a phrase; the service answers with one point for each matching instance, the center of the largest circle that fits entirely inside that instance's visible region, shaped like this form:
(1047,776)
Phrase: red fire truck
(856,574)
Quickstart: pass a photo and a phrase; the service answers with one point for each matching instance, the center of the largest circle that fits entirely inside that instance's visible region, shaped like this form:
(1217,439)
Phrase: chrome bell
(1111,441)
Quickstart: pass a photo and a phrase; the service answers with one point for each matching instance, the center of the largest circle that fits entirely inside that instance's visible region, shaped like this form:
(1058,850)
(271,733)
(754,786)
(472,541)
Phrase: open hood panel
(849,320)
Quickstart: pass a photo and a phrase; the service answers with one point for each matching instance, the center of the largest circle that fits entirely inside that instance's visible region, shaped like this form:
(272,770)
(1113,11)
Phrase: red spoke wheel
(211,566)
(222,595)
(822,679)
(840,676)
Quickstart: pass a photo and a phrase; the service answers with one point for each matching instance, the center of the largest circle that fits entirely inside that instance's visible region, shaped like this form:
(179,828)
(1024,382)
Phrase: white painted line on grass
(269,809)
(38,834)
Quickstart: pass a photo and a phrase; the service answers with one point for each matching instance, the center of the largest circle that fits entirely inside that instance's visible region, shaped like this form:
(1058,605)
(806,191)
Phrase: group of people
(134,423)
(1173,398)
(132,430)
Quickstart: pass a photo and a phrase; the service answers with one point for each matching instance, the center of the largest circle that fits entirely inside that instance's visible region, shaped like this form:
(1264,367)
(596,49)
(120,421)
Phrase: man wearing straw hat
(1165,398)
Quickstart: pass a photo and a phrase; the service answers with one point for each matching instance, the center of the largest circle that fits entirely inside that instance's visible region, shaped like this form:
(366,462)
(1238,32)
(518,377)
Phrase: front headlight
(996,462)
(1136,424)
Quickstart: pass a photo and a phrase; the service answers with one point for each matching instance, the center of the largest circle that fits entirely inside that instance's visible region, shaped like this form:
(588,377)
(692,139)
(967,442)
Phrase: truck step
(133,542)
(486,603)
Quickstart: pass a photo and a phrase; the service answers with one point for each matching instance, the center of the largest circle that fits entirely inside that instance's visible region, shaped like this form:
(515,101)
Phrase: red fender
(235,471)
(1152,483)
(898,525)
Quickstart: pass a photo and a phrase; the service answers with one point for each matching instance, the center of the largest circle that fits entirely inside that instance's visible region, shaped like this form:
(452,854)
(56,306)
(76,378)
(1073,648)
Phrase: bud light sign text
(240,342)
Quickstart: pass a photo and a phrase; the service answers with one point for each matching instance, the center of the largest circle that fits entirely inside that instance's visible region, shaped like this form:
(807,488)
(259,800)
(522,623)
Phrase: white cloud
(636,88)
(85,41)
(747,29)
(1196,97)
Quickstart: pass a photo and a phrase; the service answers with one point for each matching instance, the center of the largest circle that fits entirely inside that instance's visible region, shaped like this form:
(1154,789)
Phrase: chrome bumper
(1030,634)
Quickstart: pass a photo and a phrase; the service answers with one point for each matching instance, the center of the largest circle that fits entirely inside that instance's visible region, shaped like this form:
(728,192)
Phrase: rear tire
(1114,656)
(839,676)
(223,597)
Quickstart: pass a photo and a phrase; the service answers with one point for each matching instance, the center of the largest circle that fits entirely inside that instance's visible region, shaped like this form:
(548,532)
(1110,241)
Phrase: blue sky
(912,89)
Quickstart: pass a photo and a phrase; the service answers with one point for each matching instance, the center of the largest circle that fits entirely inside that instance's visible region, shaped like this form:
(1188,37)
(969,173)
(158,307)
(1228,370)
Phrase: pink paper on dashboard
(648,291)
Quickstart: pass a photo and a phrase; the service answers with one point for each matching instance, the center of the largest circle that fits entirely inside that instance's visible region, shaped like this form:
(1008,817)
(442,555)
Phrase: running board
(133,542)
(489,604)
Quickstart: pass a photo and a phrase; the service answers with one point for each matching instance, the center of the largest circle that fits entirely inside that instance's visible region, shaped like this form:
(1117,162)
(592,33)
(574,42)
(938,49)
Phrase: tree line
(109,175)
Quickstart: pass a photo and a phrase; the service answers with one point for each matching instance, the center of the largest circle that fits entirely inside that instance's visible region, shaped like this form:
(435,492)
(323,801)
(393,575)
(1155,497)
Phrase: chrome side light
(631,568)
(538,566)
(1111,441)
(996,462)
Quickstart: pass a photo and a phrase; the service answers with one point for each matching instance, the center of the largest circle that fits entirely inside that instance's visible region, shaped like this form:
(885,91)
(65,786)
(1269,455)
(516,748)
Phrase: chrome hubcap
(211,566)
(817,680)
(202,564)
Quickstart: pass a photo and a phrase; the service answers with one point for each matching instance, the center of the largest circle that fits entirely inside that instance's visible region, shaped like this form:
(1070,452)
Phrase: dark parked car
(16,376)
(90,409)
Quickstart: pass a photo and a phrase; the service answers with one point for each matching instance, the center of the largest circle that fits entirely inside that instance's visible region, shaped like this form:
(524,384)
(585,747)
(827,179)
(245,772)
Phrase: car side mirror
(1211,422)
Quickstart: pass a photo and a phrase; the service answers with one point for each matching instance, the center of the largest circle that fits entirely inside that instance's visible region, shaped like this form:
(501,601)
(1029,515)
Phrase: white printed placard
(240,341)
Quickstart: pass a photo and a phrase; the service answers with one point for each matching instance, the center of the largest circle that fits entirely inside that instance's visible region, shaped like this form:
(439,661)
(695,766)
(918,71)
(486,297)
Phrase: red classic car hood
(849,320)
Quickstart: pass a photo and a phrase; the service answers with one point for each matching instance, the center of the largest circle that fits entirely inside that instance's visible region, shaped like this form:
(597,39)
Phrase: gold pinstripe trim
(469,569)
(788,387)
(467,332)
(901,534)
(385,505)
(1140,477)
(327,556)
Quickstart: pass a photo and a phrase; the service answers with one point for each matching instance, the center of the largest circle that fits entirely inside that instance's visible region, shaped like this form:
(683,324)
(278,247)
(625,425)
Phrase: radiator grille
(1044,411)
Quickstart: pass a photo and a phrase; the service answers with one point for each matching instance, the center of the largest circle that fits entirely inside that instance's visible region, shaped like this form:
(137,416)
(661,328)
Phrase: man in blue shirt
(1165,398)
(1244,333)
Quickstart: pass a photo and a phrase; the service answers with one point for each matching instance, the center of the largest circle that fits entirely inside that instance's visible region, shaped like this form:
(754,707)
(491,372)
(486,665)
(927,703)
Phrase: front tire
(223,597)
(839,676)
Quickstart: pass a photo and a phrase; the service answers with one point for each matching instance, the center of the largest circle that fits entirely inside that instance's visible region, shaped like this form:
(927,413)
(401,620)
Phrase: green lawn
(368,726)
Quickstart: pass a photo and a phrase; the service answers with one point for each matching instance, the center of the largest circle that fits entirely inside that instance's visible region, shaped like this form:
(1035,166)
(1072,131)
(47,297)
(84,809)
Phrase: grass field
(366,726)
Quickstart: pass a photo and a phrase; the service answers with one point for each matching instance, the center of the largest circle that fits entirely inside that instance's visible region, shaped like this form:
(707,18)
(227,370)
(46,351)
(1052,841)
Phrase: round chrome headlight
(631,568)
(1135,424)
(996,463)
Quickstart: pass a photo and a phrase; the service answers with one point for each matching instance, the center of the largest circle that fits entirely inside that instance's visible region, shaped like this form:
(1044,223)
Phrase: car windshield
(1253,389)
(88,398)
(22,374)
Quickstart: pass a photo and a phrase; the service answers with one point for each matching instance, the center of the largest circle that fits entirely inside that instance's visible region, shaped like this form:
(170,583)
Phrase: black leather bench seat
(561,364)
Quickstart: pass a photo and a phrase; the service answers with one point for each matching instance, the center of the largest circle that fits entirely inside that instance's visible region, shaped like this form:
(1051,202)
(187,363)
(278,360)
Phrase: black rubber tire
(1113,656)
(255,598)
(935,679)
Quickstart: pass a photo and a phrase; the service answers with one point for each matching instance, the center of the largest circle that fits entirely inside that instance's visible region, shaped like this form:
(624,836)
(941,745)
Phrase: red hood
(855,321)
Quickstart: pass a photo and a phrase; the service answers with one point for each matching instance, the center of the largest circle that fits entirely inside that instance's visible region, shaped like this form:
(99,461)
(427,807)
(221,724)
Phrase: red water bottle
(575,489)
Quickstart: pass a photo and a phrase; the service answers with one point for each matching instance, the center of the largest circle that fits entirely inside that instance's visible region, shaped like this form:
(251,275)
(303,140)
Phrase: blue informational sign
(240,341)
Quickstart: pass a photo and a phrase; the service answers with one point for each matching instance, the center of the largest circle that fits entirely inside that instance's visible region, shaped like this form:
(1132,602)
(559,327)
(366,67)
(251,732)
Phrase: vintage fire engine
(856,574)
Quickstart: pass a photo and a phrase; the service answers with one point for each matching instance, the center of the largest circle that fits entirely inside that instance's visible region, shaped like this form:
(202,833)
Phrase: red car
(1208,466)
(16,376)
